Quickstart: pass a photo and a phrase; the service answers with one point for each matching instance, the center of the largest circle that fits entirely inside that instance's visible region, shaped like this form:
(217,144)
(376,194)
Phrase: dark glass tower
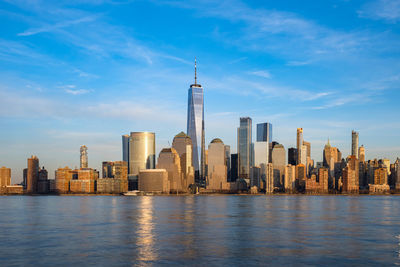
(292,156)
(195,127)
(264,132)
(244,148)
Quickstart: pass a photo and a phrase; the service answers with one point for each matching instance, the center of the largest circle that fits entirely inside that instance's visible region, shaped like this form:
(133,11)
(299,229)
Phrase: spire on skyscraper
(195,71)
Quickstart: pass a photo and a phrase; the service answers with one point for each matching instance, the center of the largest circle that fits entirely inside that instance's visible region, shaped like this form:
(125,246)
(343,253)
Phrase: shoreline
(207,194)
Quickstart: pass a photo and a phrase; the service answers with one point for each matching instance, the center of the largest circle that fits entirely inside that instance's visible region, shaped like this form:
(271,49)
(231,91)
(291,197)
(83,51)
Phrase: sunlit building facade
(84,157)
(142,155)
(354,144)
(299,144)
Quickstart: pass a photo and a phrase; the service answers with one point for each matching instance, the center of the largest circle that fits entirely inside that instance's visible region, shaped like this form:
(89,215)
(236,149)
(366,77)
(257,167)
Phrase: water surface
(199,230)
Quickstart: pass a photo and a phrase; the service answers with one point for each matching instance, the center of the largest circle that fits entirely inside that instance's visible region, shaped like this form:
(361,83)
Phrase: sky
(85,72)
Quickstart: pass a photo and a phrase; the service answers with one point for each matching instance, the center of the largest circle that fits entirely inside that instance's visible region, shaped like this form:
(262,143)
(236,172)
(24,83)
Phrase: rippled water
(199,230)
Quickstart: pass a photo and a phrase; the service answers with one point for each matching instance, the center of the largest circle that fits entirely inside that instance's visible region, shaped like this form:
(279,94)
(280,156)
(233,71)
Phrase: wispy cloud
(97,38)
(387,10)
(276,31)
(299,63)
(261,73)
(71,89)
(59,25)
(246,87)
(337,101)
(77,92)
(237,60)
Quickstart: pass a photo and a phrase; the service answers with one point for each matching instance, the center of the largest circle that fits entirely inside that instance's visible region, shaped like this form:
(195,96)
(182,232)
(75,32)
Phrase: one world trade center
(195,127)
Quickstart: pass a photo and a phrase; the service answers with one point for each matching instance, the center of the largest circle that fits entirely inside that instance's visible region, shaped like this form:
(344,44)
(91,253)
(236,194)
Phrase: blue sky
(86,72)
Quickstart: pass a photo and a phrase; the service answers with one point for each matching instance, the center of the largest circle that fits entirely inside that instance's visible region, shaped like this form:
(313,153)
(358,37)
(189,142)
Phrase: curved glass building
(142,155)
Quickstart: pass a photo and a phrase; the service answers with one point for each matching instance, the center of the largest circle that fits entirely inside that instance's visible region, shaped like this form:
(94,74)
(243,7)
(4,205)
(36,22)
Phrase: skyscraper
(195,127)
(244,147)
(299,144)
(261,153)
(84,157)
(183,146)
(264,132)
(279,163)
(264,139)
(234,168)
(125,148)
(217,170)
(5,177)
(169,160)
(228,161)
(350,175)
(292,156)
(308,148)
(32,174)
(361,153)
(354,143)
(142,146)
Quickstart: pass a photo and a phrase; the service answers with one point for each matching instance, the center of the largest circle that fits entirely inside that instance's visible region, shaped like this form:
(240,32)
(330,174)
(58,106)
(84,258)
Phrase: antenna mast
(195,71)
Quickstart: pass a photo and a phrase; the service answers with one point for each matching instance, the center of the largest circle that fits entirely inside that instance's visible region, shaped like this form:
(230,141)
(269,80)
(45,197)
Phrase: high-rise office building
(331,160)
(279,163)
(290,178)
(183,146)
(244,141)
(308,148)
(125,148)
(264,132)
(268,174)
(351,175)
(234,168)
(32,174)
(217,170)
(263,142)
(228,161)
(169,160)
(354,143)
(299,140)
(261,153)
(195,127)
(43,184)
(142,146)
(361,153)
(5,177)
(303,155)
(84,157)
(397,174)
(292,156)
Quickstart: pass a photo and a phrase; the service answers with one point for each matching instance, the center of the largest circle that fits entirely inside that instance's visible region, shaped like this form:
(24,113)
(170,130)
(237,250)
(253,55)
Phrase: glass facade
(195,125)
(142,148)
(264,132)
(244,147)
(125,147)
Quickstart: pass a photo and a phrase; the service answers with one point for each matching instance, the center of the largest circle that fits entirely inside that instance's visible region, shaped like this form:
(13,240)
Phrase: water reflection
(145,227)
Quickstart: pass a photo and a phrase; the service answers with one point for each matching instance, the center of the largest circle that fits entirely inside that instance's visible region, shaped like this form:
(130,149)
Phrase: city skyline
(60,91)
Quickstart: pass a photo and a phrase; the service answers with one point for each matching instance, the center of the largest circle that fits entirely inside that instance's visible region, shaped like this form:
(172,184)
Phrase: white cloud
(388,10)
(77,92)
(298,63)
(262,73)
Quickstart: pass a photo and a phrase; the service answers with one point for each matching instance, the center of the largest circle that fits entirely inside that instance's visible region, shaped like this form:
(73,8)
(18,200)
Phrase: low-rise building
(318,183)
(154,181)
